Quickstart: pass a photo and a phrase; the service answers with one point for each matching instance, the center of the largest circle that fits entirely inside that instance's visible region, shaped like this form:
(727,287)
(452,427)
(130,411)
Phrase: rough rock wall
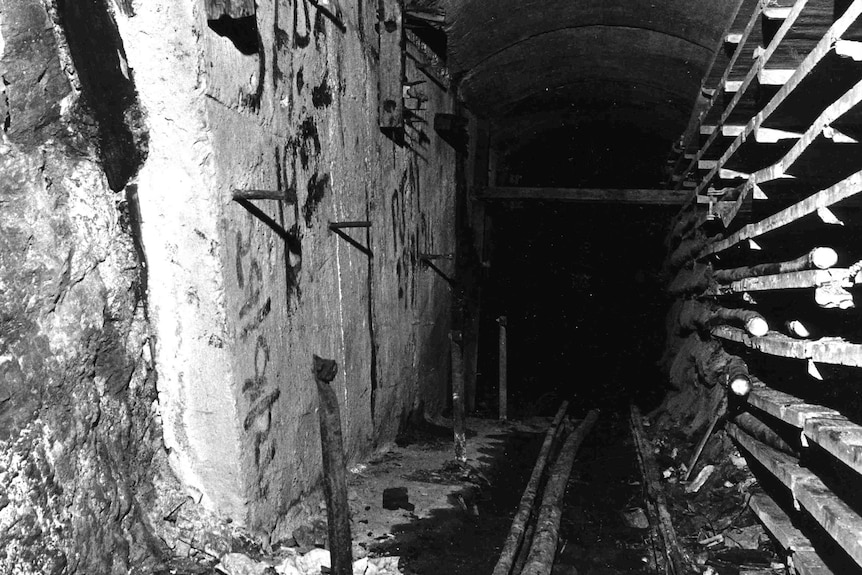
(285,100)
(79,435)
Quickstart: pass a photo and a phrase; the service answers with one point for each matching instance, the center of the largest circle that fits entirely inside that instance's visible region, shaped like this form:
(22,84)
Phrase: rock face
(150,321)
(78,431)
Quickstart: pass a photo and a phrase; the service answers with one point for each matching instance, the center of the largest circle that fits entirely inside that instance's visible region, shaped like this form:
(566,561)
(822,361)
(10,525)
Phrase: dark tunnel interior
(583,301)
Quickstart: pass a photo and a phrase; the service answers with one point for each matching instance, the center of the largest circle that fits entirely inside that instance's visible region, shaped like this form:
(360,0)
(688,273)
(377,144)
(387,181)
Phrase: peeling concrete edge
(180,210)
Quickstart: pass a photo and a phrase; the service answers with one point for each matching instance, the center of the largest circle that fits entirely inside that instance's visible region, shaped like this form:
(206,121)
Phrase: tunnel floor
(414,510)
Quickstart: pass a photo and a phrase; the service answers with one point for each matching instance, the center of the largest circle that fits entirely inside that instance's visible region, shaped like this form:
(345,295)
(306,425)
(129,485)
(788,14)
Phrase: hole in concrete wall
(242,32)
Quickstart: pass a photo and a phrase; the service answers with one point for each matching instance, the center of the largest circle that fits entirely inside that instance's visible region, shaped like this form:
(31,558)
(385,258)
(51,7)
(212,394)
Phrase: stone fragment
(636,518)
(397,498)
(701,478)
(239,564)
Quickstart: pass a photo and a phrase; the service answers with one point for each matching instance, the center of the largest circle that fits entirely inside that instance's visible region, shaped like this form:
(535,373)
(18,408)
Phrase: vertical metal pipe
(334,468)
(504,392)
(458,396)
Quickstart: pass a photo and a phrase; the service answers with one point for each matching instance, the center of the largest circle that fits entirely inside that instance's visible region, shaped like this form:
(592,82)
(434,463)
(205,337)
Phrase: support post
(334,469)
(391,71)
(503,391)
(458,416)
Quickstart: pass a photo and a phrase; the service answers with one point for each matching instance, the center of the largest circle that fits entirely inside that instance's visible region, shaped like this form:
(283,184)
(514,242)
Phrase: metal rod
(459,427)
(334,468)
(357,224)
(260,195)
(351,241)
(504,391)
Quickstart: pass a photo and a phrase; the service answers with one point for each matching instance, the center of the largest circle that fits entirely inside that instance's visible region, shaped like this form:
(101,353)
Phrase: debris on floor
(311,563)
(710,513)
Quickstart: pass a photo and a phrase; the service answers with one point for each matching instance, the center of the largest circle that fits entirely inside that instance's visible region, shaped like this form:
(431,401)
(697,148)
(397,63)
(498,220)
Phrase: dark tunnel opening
(583,301)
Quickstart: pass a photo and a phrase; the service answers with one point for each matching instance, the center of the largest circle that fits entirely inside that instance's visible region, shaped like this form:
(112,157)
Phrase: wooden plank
(791,280)
(833,350)
(838,108)
(717,96)
(825,426)
(839,436)
(391,68)
(778,523)
(587,195)
(803,557)
(828,428)
(688,137)
(840,521)
(823,47)
(753,73)
(809,563)
(785,407)
(824,198)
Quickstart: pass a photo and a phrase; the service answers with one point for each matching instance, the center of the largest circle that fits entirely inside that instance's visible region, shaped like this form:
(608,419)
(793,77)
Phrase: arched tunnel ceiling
(616,66)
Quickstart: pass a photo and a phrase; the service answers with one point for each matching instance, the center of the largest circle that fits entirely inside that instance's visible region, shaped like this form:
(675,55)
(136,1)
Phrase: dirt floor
(461,518)
(416,511)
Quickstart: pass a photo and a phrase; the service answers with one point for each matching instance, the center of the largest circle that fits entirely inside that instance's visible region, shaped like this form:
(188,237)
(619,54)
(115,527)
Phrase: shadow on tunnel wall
(581,290)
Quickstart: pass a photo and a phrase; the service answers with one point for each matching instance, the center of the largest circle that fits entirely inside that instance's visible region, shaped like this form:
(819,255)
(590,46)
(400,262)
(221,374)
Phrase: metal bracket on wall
(243,197)
(338,227)
(332,10)
(428,261)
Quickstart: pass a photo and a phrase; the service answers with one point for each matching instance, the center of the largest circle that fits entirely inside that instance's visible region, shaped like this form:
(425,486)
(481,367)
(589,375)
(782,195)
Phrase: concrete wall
(157,339)
(238,311)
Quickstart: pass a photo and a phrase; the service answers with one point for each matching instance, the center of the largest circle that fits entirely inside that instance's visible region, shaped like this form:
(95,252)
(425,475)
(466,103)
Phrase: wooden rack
(777,147)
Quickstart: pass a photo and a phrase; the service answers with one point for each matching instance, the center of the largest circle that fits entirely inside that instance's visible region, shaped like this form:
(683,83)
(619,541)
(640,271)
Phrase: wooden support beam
(824,426)
(839,520)
(817,258)
(458,416)
(334,468)
(586,195)
(759,430)
(740,89)
(428,61)
(503,391)
(797,547)
(832,350)
(543,550)
(391,67)
(526,506)
(786,407)
(818,53)
(791,280)
(824,198)
(755,70)
(739,40)
(838,108)
(697,315)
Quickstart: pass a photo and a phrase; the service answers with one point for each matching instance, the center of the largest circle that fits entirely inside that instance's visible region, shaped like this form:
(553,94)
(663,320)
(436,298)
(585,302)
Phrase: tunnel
(430,286)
